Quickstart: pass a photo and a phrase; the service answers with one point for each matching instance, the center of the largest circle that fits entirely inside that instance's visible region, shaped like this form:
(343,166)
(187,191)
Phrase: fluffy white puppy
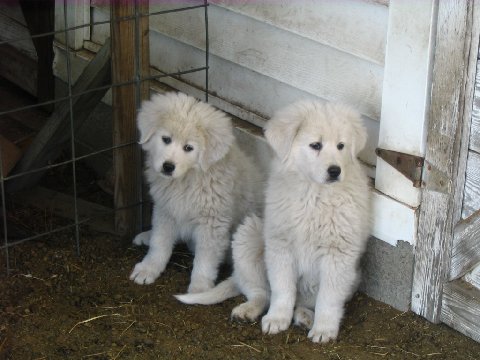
(201,183)
(305,256)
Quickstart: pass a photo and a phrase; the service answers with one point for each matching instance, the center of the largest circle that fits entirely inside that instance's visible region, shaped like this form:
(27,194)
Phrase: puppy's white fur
(315,229)
(210,189)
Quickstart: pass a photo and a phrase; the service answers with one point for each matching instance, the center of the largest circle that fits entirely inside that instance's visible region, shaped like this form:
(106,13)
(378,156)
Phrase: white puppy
(315,229)
(201,183)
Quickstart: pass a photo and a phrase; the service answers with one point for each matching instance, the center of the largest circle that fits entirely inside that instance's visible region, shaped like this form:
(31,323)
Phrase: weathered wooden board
(475,131)
(126,160)
(473,277)
(12,30)
(461,308)
(471,199)
(466,246)
(12,9)
(19,69)
(50,140)
(98,217)
(450,96)
(353,26)
(13,98)
(307,65)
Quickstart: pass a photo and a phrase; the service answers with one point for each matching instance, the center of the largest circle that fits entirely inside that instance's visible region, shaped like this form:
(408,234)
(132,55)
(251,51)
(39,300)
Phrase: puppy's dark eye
(316,146)
(166,139)
(188,148)
(340,146)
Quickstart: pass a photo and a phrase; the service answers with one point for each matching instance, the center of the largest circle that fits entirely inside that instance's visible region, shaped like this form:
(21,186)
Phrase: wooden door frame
(448,130)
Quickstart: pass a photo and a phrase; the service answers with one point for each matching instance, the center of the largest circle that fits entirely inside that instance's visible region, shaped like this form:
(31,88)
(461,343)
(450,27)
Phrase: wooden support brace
(55,134)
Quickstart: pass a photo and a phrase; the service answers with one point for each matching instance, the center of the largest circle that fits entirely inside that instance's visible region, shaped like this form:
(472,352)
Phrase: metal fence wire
(13,196)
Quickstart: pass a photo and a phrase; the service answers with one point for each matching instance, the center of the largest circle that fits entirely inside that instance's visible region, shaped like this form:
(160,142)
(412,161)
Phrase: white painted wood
(394,184)
(356,27)
(471,200)
(475,131)
(392,221)
(252,96)
(406,91)
(473,277)
(302,63)
(13,30)
(78,13)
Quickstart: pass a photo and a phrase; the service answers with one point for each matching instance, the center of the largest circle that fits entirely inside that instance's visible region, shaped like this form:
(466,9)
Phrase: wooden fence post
(127,48)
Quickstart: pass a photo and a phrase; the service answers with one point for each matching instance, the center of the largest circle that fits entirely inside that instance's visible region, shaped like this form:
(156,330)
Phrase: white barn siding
(351,26)
(260,66)
(406,91)
(264,55)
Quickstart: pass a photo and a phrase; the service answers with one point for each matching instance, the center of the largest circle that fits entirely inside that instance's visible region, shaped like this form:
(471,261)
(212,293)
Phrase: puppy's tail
(223,291)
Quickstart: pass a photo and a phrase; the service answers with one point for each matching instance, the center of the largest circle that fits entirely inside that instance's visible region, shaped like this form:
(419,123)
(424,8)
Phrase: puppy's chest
(189,198)
(319,222)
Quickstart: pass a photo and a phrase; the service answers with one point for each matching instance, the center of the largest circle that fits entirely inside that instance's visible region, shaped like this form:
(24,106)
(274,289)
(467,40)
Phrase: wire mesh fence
(54,175)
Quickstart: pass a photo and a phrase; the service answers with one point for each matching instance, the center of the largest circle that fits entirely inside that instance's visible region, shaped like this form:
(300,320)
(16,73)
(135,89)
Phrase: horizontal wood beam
(97,217)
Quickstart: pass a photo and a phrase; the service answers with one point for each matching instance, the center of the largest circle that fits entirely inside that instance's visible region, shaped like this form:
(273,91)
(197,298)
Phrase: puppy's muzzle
(334,172)
(168,168)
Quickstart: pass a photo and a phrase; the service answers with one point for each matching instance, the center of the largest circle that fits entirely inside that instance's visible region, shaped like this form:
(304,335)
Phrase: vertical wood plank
(405,94)
(446,137)
(475,133)
(144,62)
(126,159)
(39,16)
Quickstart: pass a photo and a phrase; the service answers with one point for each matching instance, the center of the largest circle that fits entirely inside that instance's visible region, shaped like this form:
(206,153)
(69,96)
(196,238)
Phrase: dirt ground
(57,305)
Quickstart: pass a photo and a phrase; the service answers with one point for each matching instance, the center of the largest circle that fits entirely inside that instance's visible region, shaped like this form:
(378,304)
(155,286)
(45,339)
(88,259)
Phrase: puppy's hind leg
(211,244)
(249,269)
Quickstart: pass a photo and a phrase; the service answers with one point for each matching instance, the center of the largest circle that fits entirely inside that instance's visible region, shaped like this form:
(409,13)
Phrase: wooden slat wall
(471,201)
(261,60)
(349,26)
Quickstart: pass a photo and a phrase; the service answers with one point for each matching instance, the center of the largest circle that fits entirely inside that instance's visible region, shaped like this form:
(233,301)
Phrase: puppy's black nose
(168,167)
(334,172)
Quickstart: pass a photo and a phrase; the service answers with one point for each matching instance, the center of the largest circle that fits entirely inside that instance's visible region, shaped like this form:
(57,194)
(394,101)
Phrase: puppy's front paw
(273,324)
(247,311)
(323,333)
(144,273)
(142,239)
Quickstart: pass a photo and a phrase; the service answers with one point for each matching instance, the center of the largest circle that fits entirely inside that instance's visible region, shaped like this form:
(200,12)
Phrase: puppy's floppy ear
(218,136)
(359,134)
(146,122)
(281,129)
